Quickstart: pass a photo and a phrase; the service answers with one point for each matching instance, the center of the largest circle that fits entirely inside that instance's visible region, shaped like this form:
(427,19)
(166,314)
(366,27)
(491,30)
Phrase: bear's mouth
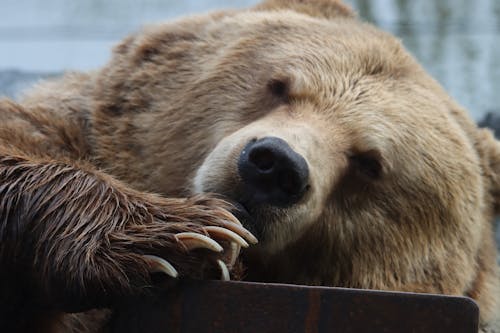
(244,215)
(255,218)
(256,215)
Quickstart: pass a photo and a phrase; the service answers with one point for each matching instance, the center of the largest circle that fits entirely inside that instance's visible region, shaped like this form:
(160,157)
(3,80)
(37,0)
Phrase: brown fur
(171,113)
(73,236)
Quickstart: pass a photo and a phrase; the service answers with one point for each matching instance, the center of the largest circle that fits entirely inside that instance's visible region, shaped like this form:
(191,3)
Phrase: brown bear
(350,164)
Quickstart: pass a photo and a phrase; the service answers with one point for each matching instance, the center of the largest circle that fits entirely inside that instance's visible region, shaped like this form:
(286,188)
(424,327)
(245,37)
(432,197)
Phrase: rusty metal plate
(240,307)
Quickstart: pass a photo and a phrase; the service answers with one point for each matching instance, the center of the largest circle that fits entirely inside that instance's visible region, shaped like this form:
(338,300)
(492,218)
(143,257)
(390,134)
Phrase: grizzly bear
(331,144)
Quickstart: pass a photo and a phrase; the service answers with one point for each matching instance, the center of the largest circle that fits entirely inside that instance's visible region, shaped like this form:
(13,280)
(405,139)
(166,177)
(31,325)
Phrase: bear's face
(349,163)
(351,146)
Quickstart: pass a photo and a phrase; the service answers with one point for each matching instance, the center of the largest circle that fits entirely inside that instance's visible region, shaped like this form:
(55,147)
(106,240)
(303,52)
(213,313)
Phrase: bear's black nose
(272,172)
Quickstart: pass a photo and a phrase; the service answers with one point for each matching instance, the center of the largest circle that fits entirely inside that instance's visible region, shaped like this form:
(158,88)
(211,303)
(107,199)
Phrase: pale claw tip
(238,228)
(158,264)
(235,252)
(224,271)
(226,233)
(251,238)
(192,240)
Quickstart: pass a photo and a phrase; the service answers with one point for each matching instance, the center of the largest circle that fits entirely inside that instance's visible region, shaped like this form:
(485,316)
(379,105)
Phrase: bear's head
(350,164)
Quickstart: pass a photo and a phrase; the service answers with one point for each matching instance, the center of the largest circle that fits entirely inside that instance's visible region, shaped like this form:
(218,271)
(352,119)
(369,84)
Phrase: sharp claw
(158,264)
(224,271)
(227,234)
(237,228)
(235,252)
(231,218)
(192,240)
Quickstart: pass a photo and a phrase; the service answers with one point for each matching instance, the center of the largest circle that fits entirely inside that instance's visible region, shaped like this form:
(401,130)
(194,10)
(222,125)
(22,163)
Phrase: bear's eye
(367,165)
(279,88)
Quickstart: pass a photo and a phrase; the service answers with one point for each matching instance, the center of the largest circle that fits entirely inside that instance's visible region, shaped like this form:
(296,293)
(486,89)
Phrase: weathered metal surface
(237,307)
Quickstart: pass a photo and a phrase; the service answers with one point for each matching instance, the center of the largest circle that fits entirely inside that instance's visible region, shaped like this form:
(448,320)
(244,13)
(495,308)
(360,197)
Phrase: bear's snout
(272,172)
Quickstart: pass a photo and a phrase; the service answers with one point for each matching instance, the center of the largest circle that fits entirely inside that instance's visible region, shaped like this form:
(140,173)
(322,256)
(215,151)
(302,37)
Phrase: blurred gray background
(457,41)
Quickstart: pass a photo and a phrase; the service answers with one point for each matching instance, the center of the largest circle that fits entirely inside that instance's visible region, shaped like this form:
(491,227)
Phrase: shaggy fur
(403,186)
(73,236)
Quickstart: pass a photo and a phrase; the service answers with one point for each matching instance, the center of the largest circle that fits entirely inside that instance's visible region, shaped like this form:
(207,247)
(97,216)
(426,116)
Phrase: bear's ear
(488,149)
(317,8)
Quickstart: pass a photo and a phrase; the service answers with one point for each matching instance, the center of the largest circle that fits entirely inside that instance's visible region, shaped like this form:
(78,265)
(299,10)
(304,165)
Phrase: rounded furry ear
(317,8)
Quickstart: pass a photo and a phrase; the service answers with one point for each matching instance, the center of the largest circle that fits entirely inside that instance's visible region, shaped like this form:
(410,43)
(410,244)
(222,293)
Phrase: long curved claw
(158,264)
(235,252)
(231,218)
(192,240)
(224,271)
(240,230)
(223,233)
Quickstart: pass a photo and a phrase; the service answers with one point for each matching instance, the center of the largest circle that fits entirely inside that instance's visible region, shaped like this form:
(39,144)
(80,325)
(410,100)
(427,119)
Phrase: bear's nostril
(262,158)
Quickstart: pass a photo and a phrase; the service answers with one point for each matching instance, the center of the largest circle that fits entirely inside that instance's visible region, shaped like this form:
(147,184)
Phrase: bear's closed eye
(368,165)
(279,88)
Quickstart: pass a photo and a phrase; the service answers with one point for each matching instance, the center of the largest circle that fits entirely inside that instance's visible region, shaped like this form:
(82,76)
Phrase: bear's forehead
(290,36)
(324,58)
